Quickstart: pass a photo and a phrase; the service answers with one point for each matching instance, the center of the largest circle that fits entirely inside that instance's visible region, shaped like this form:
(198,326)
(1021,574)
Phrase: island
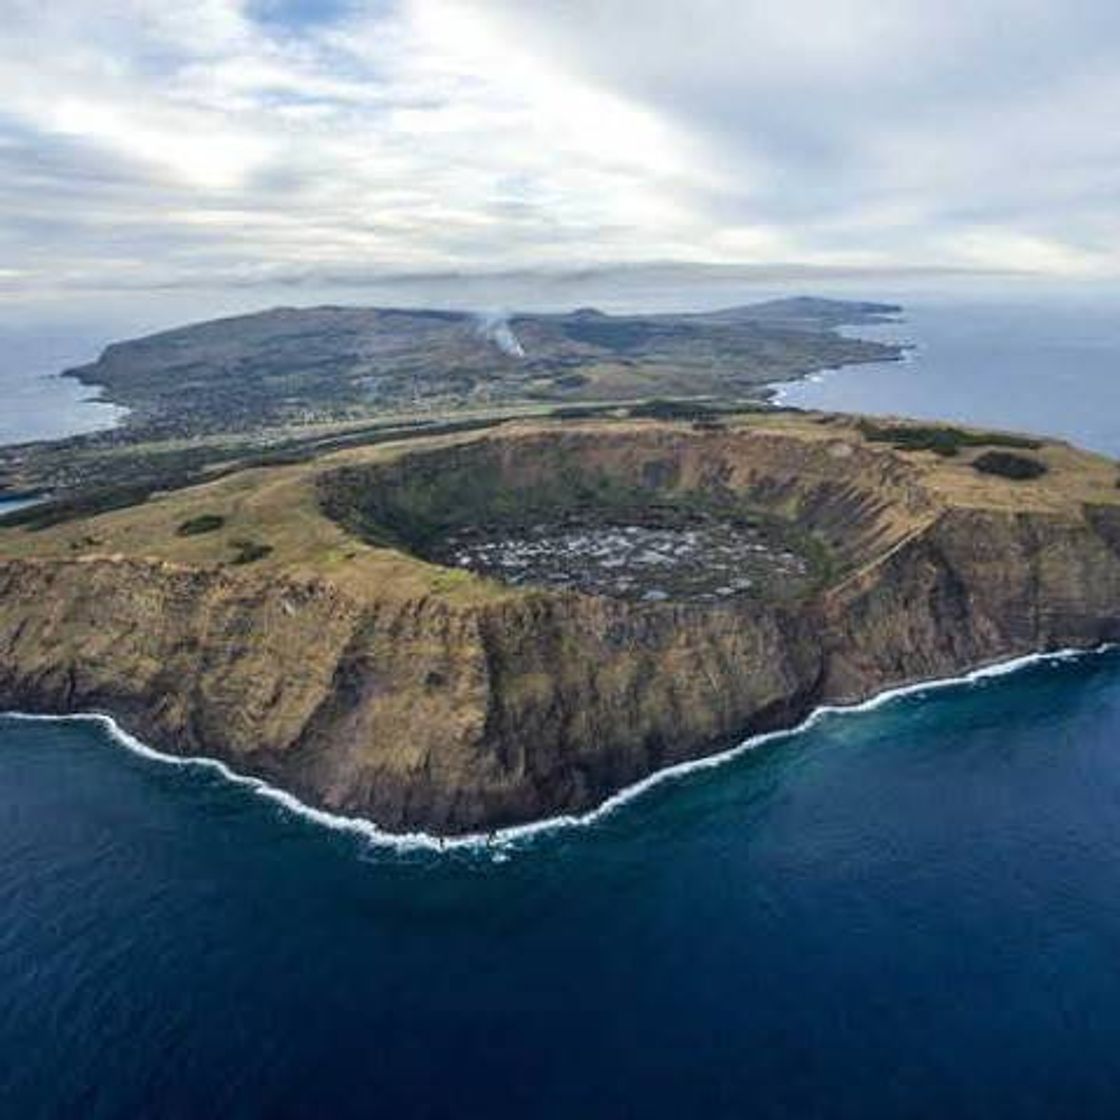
(461,630)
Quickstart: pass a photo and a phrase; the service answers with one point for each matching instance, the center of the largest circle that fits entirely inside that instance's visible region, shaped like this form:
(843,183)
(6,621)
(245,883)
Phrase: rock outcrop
(372,683)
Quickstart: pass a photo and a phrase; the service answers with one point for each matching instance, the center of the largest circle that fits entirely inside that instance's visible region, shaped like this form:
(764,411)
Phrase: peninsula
(462,630)
(296,382)
(296,366)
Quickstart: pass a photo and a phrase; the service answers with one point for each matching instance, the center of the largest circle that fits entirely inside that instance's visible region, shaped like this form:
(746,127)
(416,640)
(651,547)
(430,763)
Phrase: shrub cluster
(940,439)
(660,409)
(248,551)
(203,523)
(1008,465)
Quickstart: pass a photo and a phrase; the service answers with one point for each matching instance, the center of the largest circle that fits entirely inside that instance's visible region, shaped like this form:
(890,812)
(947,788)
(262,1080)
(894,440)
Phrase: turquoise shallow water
(907,912)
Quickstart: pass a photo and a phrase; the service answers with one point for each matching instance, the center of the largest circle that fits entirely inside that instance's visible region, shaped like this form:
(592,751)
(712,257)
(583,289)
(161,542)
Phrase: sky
(236,145)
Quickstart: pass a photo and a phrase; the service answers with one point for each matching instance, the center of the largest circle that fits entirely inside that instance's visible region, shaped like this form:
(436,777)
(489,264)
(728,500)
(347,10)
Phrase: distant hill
(297,365)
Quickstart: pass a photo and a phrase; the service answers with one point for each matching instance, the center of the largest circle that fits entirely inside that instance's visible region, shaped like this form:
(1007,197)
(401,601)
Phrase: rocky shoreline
(425,699)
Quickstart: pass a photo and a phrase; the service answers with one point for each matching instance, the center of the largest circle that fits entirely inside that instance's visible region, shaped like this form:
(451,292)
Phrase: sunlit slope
(285,618)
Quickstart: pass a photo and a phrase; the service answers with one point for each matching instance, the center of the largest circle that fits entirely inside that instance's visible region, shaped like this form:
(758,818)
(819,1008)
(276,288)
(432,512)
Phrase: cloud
(233,143)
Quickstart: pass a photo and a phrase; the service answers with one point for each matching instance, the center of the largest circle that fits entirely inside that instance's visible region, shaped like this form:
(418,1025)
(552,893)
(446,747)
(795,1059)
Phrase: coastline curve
(502,840)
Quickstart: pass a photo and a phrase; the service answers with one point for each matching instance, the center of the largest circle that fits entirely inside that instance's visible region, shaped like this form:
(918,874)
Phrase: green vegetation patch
(582,411)
(249,551)
(1008,465)
(414,501)
(203,523)
(662,409)
(668,408)
(424,503)
(571,380)
(940,439)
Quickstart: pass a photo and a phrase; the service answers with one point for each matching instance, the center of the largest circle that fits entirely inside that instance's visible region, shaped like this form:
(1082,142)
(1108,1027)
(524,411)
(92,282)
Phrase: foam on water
(502,839)
(909,352)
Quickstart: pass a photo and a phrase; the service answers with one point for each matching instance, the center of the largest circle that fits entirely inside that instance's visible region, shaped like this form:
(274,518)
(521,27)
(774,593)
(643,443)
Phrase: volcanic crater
(435,634)
(600,525)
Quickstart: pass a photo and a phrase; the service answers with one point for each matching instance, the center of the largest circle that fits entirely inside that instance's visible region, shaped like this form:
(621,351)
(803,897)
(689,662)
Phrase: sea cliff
(339,664)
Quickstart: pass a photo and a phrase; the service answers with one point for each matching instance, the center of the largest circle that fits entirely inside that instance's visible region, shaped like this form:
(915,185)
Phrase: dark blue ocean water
(910,912)
(1050,367)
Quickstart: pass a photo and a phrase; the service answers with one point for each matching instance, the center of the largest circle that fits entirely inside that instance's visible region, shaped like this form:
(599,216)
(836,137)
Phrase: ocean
(907,911)
(35,403)
(1051,368)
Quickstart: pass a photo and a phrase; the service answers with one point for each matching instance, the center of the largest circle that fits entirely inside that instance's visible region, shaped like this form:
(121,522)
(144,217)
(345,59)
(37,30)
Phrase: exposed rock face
(456,712)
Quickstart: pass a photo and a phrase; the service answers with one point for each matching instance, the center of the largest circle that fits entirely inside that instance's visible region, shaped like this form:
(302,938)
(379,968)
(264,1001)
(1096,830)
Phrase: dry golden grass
(277,506)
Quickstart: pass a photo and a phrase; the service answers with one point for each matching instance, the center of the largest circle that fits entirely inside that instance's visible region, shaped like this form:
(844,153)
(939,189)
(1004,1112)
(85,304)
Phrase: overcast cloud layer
(146,143)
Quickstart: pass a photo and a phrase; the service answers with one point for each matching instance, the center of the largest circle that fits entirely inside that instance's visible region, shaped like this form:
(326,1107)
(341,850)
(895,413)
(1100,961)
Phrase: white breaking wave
(910,352)
(505,837)
(782,389)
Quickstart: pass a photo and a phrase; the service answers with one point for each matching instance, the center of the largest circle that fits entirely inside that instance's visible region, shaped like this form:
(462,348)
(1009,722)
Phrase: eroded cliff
(341,665)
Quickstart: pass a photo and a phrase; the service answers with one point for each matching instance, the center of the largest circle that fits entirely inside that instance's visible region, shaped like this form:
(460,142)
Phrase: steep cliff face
(975,586)
(418,714)
(378,685)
